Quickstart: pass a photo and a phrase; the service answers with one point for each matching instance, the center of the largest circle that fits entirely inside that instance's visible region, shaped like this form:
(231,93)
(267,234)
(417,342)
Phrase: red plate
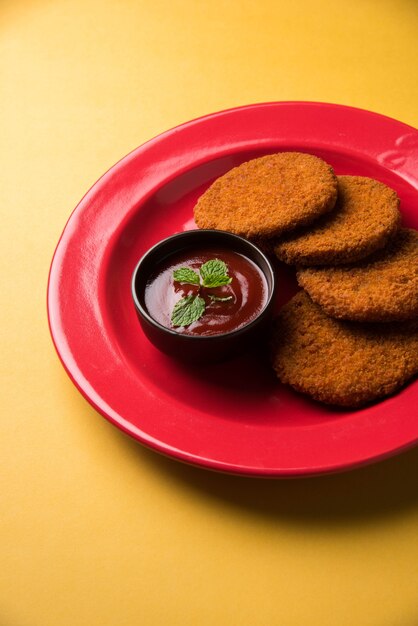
(234,416)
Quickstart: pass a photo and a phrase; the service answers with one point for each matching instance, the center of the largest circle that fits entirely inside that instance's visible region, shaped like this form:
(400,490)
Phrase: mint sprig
(213,273)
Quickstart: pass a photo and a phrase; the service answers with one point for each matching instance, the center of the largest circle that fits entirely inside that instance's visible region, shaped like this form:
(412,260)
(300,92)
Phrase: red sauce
(248,289)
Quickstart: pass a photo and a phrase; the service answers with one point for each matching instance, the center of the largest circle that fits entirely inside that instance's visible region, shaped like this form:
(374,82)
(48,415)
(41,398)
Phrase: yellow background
(94,529)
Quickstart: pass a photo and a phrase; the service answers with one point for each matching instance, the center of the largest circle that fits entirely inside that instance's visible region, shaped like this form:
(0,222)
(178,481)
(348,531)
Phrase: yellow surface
(94,529)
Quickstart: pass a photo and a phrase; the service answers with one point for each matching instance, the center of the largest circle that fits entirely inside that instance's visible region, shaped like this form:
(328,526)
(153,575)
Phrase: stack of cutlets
(351,336)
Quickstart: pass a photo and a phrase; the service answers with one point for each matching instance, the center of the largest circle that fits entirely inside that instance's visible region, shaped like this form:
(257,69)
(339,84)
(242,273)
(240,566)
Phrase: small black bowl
(195,348)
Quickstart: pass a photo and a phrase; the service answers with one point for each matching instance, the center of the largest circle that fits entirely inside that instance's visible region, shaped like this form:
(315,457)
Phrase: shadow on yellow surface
(379,490)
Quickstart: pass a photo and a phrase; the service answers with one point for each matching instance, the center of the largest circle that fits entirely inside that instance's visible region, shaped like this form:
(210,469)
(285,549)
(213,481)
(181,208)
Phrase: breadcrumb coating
(365,217)
(342,363)
(382,288)
(268,196)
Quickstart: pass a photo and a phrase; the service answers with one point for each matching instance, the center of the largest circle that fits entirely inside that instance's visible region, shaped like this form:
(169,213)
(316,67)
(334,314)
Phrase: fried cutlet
(365,217)
(268,196)
(382,288)
(342,363)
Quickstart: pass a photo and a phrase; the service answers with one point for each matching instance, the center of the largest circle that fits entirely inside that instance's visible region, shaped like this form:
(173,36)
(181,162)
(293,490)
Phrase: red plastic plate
(234,416)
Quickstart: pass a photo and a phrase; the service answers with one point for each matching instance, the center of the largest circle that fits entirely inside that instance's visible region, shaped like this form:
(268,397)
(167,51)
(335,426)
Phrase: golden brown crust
(382,288)
(366,216)
(342,363)
(268,196)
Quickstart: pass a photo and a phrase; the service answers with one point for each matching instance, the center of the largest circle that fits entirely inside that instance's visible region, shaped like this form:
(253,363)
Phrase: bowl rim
(195,233)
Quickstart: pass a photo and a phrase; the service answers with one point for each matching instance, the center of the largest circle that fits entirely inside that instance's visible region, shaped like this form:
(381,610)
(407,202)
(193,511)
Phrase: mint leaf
(215,273)
(187,310)
(220,298)
(215,266)
(186,275)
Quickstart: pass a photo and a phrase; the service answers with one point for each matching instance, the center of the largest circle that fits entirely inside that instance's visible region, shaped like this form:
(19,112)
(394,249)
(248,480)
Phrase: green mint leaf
(215,273)
(186,275)
(220,298)
(187,310)
(216,280)
(215,266)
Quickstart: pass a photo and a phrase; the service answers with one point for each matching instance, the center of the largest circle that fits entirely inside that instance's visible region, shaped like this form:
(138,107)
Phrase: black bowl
(195,348)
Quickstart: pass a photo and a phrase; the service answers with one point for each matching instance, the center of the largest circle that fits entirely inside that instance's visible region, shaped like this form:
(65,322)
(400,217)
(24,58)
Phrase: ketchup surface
(248,289)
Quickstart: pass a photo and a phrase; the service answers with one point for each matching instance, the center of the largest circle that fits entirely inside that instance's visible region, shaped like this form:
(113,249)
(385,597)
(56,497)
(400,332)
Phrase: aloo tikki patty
(342,363)
(365,217)
(381,288)
(268,196)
